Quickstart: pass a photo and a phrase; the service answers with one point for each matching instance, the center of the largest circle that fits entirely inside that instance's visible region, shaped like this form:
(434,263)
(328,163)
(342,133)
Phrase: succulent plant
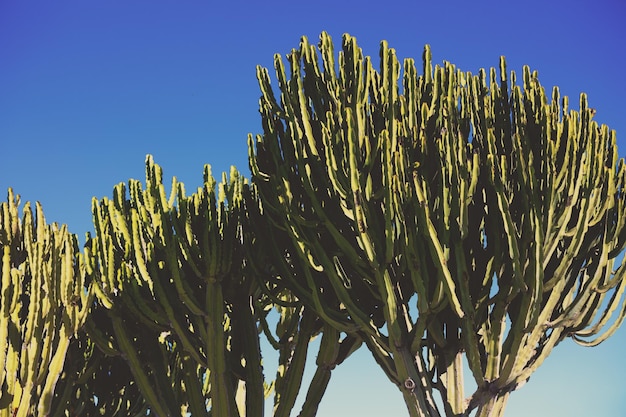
(440,217)
(46,296)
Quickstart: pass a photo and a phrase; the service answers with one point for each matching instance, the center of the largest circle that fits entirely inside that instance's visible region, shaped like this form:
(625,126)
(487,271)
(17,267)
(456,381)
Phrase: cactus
(45,301)
(164,265)
(464,217)
(461,219)
(180,303)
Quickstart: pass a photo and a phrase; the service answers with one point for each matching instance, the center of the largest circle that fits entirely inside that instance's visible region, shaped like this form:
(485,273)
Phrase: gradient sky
(88,88)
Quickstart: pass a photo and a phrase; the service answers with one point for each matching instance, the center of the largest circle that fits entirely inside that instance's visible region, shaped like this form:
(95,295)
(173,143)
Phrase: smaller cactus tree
(180,309)
(462,218)
(180,301)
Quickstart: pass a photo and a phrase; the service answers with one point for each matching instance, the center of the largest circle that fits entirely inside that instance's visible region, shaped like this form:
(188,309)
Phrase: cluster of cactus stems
(45,300)
(165,315)
(441,216)
(184,308)
(444,220)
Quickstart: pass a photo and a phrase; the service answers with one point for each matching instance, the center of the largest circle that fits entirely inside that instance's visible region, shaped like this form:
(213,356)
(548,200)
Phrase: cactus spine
(462,215)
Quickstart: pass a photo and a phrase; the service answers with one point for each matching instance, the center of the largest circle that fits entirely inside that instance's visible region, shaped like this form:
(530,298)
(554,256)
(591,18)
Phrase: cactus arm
(192,378)
(5,304)
(221,390)
(55,369)
(254,387)
(437,252)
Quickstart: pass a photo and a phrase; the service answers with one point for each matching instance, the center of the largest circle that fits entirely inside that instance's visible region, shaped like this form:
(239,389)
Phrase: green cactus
(460,216)
(45,300)
(458,219)
(163,268)
(181,304)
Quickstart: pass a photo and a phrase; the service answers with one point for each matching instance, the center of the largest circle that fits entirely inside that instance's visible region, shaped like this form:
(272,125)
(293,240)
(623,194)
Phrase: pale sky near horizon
(88,88)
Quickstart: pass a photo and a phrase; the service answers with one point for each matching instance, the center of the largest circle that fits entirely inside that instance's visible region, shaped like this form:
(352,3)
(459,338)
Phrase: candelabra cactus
(180,302)
(464,215)
(45,301)
(461,219)
(167,267)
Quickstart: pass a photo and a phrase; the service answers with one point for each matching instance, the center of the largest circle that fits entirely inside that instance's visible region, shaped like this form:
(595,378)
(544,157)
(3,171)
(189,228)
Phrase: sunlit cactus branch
(46,297)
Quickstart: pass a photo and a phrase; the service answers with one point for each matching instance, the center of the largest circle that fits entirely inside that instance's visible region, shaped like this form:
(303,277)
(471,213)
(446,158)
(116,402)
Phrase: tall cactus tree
(460,218)
(46,297)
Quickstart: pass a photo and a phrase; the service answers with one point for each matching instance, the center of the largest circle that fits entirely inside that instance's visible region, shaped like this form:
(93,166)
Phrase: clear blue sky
(88,88)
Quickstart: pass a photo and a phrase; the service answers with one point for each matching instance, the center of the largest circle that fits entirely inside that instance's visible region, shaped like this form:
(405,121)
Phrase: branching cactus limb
(333,351)
(45,301)
(499,211)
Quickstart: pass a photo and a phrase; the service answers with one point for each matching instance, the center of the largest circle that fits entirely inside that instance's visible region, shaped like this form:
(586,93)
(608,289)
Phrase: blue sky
(88,88)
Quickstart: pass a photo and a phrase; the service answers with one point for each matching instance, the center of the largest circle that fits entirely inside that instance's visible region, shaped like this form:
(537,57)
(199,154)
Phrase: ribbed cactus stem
(222,391)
